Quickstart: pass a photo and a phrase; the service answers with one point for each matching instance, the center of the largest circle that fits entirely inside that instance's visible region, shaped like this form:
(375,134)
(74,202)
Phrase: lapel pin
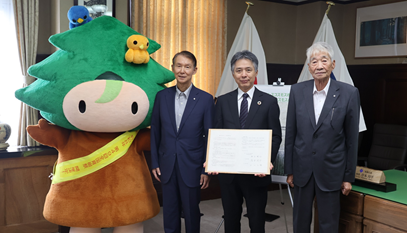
(258,102)
(194,98)
(334,96)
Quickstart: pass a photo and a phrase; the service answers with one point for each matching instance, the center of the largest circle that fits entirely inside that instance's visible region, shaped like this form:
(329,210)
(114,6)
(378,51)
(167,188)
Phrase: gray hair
(245,54)
(319,47)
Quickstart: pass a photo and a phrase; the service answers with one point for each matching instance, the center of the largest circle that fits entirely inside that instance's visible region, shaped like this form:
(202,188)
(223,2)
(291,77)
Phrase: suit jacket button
(314,152)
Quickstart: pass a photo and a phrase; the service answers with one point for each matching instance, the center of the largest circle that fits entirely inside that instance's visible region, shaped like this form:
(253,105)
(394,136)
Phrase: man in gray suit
(321,141)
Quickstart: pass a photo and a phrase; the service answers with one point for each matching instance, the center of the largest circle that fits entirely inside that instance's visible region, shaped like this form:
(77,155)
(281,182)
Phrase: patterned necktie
(243,110)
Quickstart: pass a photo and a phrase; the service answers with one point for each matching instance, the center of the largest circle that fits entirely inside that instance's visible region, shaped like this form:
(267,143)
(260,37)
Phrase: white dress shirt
(240,97)
(319,99)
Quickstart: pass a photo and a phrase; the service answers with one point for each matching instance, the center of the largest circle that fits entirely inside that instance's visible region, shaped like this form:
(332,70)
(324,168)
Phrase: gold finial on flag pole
(329,6)
(248,5)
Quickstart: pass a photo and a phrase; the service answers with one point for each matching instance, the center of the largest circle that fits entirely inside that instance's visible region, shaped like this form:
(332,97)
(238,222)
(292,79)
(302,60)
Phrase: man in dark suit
(246,108)
(321,141)
(180,121)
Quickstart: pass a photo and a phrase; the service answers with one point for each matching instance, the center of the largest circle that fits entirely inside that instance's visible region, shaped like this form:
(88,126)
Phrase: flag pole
(248,6)
(329,6)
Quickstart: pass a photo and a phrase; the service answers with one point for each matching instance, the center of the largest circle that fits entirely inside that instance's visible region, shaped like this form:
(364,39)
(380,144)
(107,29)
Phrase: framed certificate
(239,151)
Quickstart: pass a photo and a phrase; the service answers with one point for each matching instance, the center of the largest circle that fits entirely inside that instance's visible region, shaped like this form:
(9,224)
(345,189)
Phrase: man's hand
(346,188)
(204,181)
(210,173)
(263,175)
(156,172)
(290,180)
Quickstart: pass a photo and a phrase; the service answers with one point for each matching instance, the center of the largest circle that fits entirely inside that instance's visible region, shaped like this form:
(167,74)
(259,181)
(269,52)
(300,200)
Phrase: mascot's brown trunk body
(119,194)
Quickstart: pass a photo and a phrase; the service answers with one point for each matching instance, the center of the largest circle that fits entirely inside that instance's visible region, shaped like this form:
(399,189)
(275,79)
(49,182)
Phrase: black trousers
(328,208)
(232,200)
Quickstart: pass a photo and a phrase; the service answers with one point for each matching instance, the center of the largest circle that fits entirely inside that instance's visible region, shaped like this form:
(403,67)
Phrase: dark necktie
(243,110)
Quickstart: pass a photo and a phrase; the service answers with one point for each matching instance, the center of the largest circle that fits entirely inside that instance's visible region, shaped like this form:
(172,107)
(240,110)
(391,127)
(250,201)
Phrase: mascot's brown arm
(143,141)
(48,134)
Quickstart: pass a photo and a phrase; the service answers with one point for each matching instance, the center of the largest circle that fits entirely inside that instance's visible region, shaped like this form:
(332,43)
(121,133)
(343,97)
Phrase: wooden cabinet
(375,227)
(350,223)
(353,203)
(351,219)
(384,216)
(368,214)
(24,184)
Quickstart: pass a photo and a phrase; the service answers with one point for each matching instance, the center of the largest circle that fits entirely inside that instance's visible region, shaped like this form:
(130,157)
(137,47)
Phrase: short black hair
(245,54)
(185,54)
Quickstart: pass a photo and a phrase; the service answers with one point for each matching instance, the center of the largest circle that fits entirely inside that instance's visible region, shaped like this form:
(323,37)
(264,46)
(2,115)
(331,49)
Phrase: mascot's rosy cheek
(106,106)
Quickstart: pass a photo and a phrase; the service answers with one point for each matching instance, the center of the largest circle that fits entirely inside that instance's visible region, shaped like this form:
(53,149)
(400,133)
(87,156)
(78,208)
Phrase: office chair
(389,147)
(402,167)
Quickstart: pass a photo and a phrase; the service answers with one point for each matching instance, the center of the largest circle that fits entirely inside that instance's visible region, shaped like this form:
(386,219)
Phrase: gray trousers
(328,208)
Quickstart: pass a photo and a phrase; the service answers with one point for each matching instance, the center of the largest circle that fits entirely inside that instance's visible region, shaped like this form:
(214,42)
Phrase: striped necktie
(243,110)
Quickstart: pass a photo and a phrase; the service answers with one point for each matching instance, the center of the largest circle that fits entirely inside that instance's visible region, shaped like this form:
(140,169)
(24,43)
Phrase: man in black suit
(246,108)
(321,141)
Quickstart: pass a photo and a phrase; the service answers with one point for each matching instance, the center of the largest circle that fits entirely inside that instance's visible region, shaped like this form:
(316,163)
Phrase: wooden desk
(369,211)
(24,183)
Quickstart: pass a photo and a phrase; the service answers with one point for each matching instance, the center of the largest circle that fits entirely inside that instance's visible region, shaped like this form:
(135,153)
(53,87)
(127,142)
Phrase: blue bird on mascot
(78,15)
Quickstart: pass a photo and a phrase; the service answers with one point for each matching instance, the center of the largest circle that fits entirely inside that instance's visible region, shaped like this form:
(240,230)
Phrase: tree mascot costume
(99,106)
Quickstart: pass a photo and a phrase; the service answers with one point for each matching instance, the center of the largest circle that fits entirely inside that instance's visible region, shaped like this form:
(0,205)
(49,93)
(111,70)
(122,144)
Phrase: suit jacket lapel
(193,98)
(170,96)
(254,106)
(333,95)
(309,101)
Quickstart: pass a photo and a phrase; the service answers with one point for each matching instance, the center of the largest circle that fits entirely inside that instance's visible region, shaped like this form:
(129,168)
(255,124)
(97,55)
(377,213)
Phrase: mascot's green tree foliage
(93,51)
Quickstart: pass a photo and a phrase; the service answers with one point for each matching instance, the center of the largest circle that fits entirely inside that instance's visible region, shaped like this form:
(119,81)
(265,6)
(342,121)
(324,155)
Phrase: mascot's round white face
(106,106)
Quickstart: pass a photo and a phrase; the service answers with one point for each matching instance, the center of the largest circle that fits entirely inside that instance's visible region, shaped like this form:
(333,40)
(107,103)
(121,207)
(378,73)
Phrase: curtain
(26,18)
(198,26)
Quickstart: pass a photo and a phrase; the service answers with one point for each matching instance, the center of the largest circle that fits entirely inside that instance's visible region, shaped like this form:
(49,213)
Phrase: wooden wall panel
(26,189)
(395,101)
(2,205)
(24,184)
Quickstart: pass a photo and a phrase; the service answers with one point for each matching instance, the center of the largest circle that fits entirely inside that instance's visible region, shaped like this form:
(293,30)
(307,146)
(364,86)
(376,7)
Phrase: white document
(240,151)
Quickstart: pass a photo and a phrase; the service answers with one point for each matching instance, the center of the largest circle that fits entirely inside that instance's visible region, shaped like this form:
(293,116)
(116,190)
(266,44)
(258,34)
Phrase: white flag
(247,38)
(341,73)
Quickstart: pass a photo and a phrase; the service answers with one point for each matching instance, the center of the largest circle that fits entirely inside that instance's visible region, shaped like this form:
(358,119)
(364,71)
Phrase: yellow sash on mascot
(76,168)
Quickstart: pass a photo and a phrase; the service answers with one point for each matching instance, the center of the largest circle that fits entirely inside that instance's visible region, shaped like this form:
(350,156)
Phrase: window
(11,78)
